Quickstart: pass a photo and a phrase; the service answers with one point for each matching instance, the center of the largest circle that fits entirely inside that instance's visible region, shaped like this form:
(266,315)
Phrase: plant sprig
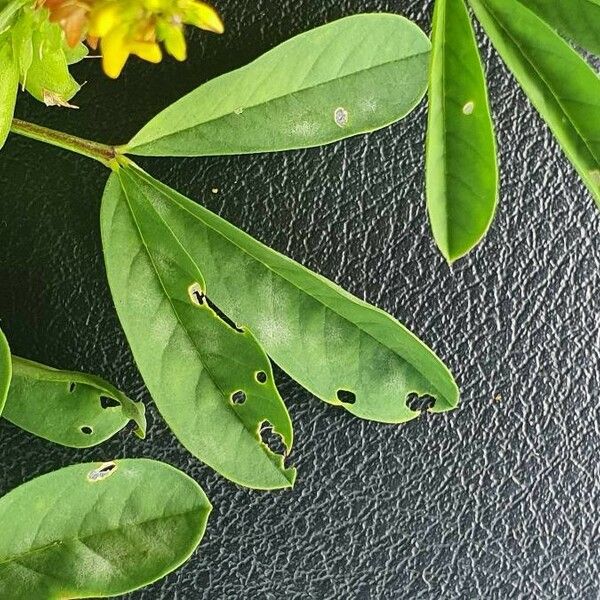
(175,271)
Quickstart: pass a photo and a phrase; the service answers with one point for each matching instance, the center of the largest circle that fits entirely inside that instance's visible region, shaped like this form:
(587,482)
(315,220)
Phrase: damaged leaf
(462,173)
(577,20)
(560,84)
(5,370)
(68,408)
(206,375)
(351,76)
(97,530)
(343,350)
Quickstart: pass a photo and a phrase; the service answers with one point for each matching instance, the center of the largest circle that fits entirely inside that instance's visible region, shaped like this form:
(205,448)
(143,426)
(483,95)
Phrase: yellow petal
(149,51)
(103,18)
(114,54)
(175,42)
(204,16)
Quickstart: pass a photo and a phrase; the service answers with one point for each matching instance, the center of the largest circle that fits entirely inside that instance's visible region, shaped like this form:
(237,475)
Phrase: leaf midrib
(445,130)
(263,447)
(279,274)
(128,148)
(77,538)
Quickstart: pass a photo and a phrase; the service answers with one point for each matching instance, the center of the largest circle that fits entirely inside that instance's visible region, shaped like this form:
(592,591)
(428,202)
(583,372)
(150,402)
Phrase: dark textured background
(496,500)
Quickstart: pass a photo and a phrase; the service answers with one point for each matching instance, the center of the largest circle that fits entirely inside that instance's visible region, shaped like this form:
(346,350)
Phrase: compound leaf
(5,370)
(98,530)
(577,20)
(462,173)
(210,379)
(66,407)
(343,350)
(560,84)
(351,76)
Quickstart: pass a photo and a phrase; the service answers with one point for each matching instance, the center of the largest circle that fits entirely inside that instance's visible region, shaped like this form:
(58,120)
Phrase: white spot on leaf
(340,116)
(369,105)
(468,108)
(305,128)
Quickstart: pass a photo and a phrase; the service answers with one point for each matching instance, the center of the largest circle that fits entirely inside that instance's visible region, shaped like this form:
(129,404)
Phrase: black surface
(498,499)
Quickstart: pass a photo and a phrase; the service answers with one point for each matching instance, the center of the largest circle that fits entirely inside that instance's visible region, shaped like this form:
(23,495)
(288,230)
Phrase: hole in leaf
(222,315)
(420,403)
(238,397)
(261,377)
(72,387)
(198,297)
(346,397)
(87,430)
(272,439)
(196,294)
(106,402)
(102,472)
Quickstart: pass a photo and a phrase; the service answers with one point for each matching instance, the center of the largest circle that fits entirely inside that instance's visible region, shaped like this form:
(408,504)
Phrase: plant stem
(101,152)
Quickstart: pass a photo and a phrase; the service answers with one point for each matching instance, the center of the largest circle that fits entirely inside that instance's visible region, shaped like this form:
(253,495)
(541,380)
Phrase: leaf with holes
(5,370)
(343,350)
(97,530)
(351,76)
(577,20)
(68,408)
(462,173)
(211,380)
(559,83)
(9,83)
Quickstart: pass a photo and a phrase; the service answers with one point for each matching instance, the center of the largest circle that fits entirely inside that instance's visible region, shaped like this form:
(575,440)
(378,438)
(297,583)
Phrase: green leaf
(68,408)
(462,172)
(195,364)
(351,76)
(577,20)
(48,78)
(9,84)
(5,370)
(97,530)
(559,83)
(22,40)
(8,10)
(75,54)
(329,341)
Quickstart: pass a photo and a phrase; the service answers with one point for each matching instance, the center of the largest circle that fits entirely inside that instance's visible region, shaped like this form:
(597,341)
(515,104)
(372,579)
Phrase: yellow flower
(138,27)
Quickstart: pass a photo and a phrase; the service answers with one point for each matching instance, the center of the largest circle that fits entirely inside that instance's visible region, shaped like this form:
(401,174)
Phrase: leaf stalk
(100,152)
